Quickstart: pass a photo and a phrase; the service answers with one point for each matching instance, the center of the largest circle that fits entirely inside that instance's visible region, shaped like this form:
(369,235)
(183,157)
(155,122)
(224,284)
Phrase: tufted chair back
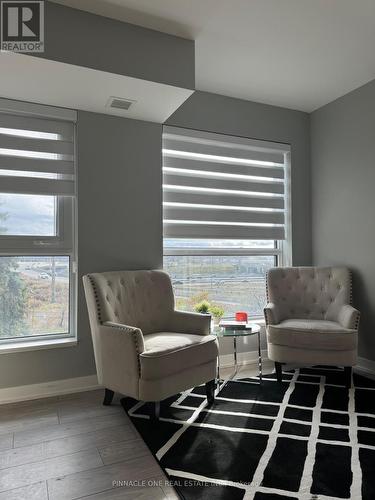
(143,299)
(309,292)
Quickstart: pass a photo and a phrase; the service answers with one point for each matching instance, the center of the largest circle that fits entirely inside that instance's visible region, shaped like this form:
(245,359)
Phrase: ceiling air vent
(119,103)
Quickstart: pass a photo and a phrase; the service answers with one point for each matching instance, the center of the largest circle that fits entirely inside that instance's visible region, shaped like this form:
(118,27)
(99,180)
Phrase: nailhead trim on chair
(267,316)
(267,295)
(356,324)
(96,297)
(125,329)
(266,312)
(135,340)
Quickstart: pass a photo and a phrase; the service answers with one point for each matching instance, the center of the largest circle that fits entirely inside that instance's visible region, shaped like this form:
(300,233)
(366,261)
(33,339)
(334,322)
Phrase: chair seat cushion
(167,353)
(312,334)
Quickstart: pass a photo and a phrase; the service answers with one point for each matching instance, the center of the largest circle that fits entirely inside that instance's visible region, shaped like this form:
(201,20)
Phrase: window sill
(261,322)
(258,321)
(37,345)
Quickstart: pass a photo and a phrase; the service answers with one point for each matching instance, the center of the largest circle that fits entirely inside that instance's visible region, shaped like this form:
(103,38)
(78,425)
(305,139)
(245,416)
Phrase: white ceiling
(299,54)
(39,80)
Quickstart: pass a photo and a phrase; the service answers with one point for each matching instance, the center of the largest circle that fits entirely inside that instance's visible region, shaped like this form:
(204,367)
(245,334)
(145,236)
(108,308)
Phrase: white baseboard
(48,389)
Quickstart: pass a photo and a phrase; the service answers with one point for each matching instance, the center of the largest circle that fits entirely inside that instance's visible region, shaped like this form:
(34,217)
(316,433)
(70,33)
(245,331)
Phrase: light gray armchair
(143,347)
(309,317)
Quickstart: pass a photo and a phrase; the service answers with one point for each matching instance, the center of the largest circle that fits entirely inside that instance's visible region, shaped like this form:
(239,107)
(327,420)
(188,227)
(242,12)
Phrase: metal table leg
(259,359)
(233,375)
(235,356)
(222,383)
(218,376)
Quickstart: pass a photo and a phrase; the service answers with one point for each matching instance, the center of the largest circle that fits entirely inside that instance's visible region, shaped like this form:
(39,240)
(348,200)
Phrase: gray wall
(119,165)
(343,181)
(83,39)
(119,198)
(119,220)
(226,115)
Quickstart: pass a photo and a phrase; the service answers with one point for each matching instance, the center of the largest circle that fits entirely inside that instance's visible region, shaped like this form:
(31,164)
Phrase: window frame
(60,241)
(63,243)
(282,251)
(51,246)
(50,337)
(275,252)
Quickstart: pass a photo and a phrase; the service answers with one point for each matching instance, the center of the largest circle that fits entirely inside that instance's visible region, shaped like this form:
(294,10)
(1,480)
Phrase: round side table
(233,332)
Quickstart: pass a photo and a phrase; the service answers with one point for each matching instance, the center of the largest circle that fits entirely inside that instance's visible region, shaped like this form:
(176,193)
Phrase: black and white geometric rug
(309,438)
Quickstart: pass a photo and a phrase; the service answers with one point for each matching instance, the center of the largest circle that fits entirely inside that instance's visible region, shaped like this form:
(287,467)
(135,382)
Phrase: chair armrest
(270,314)
(348,317)
(120,347)
(189,322)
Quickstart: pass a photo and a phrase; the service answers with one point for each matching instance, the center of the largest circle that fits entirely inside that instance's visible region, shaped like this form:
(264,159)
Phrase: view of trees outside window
(228,283)
(34,290)
(34,295)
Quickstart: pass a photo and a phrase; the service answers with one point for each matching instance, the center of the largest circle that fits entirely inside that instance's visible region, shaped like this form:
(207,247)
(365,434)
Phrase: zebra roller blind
(36,154)
(217,186)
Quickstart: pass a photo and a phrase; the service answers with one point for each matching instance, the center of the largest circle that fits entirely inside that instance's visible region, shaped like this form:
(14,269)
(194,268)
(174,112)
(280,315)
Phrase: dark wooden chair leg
(210,391)
(279,372)
(108,396)
(348,376)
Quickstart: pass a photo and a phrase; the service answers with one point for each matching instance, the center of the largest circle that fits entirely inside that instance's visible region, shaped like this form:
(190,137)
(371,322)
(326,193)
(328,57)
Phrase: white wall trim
(48,389)
(36,345)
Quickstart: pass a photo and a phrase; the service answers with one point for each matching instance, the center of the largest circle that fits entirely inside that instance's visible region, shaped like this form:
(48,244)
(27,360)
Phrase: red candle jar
(241,316)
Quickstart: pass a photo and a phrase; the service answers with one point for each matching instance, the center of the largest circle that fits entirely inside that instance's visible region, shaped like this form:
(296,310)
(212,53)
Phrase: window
(225,217)
(37,222)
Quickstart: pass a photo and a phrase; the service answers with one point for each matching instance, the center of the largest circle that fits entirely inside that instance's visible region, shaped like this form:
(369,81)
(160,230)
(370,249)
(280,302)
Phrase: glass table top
(243,330)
